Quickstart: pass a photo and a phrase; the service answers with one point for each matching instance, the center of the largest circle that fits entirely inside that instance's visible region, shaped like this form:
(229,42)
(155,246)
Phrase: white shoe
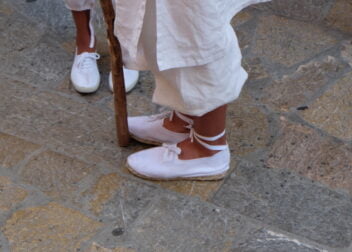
(85,75)
(150,129)
(131,79)
(163,163)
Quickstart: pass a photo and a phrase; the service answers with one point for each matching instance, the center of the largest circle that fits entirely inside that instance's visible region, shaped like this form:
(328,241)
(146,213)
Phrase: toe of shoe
(85,84)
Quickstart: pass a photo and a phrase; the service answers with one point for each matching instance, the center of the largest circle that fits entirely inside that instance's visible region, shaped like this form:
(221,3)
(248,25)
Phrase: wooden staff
(117,75)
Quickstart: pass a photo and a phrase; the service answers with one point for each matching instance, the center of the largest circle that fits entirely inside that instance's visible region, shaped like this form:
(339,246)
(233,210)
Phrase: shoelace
(171,114)
(172,151)
(87,60)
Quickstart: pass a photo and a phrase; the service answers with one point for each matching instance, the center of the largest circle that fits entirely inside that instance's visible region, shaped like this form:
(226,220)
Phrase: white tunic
(189,45)
(189,32)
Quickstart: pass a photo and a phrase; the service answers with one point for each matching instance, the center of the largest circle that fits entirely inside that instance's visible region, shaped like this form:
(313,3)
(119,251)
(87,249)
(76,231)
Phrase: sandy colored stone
(202,189)
(319,158)
(103,190)
(241,18)
(97,248)
(10,194)
(55,174)
(340,16)
(48,228)
(255,68)
(13,150)
(297,89)
(332,112)
(284,41)
(5,9)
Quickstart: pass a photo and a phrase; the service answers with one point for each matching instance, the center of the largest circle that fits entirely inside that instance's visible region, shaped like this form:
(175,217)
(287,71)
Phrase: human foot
(165,162)
(169,127)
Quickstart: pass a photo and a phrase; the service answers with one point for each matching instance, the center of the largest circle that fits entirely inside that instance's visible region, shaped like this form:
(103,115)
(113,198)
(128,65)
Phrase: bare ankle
(83,44)
(176,124)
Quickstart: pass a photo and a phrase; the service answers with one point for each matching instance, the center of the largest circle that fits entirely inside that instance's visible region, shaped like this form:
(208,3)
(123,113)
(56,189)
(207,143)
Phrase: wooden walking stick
(117,75)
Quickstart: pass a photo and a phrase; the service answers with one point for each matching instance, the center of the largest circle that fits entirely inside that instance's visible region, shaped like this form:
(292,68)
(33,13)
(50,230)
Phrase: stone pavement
(63,181)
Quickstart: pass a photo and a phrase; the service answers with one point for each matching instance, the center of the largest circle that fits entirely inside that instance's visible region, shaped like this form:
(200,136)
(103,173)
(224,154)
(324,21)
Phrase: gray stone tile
(43,64)
(18,33)
(51,13)
(283,41)
(268,241)
(117,202)
(309,10)
(298,89)
(179,224)
(346,51)
(289,202)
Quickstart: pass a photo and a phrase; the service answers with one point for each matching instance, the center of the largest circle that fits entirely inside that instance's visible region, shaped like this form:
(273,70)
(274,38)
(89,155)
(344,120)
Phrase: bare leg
(81,19)
(209,125)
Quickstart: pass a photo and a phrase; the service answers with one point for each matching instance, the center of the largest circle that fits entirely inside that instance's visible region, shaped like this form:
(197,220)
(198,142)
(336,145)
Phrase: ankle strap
(199,138)
(183,118)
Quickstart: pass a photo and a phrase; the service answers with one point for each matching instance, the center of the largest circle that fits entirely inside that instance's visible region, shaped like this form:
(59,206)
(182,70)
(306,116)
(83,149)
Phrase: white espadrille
(150,129)
(131,79)
(163,163)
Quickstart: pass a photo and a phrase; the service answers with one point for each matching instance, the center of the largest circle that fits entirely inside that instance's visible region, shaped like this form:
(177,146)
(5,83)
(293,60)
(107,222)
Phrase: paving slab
(51,227)
(290,202)
(302,149)
(13,150)
(332,111)
(178,224)
(309,10)
(56,175)
(10,194)
(300,87)
(284,42)
(339,16)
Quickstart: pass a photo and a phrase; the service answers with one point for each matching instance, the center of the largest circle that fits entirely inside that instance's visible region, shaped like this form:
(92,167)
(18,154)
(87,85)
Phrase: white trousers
(193,90)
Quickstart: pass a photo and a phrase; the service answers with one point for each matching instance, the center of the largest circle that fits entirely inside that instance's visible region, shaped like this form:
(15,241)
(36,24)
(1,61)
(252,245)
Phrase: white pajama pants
(190,90)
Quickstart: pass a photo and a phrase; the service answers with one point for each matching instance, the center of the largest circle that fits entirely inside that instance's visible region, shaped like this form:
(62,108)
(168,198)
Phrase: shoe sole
(201,178)
(141,140)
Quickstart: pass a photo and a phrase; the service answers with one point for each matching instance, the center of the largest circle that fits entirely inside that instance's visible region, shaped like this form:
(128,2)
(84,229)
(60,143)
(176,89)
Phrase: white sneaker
(131,79)
(85,75)
(163,163)
(150,129)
